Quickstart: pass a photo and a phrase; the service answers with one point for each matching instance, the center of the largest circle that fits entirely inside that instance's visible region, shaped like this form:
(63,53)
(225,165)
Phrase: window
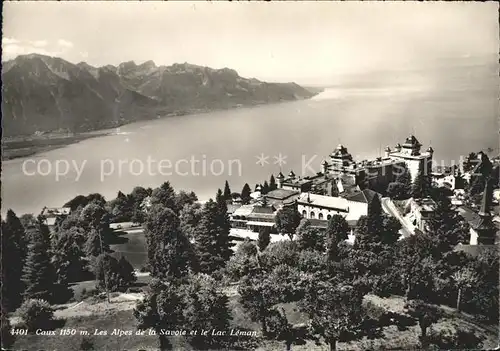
(320,216)
(304,214)
(328,217)
(312,215)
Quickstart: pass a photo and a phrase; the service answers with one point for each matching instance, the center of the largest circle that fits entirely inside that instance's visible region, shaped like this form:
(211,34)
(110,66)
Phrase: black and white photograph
(254,175)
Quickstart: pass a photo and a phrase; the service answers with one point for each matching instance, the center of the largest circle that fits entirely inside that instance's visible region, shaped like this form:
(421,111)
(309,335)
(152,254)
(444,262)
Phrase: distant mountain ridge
(43,93)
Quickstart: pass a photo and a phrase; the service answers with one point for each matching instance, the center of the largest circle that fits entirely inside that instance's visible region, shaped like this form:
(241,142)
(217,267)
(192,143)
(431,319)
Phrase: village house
(421,212)
(53,215)
(254,216)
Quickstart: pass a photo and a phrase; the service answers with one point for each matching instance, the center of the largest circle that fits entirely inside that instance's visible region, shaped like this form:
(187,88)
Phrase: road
(389,208)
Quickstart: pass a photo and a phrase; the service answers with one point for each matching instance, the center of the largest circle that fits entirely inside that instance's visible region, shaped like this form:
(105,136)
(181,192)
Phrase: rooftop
(232,207)
(365,196)
(56,211)
(243,210)
(324,201)
(411,141)
(281,194)
(427,204)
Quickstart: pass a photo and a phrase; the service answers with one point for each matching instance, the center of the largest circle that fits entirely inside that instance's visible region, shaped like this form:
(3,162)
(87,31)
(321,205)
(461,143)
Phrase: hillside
(42,93)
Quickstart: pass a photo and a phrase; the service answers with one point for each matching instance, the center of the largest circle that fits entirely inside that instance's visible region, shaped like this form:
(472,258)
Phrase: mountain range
(42,93)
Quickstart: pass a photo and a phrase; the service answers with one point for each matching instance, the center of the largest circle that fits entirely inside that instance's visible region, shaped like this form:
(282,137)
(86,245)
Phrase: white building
(320,207)
(410,153)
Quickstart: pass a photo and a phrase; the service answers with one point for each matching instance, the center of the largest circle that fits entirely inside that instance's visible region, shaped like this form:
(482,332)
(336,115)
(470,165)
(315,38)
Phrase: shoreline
(16,147)
(33,145)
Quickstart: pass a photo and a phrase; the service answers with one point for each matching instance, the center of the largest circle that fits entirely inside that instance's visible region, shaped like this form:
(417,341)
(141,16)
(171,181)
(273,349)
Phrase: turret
(279,180)
(291,175)
(324,166)
(484,226)
(387,151)
(430,150)
(397,147)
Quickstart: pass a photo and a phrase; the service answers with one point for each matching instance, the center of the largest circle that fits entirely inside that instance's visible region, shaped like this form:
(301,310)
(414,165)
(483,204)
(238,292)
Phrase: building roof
(426,204)
(411,142)
(365,196)
(56,211)
(341,155)
(232,207)
(337,203)
(264,209)
(281,194)
(243,210)
(297,182)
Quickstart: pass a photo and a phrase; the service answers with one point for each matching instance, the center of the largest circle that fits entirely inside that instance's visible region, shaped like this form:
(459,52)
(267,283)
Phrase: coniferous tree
(421,187)
(265,188)
(207,239)
(121,208)
(447,227)
(96,244)
(112,274)
(404,178)
(272,183)
(264,238)
(245,193)
(227,192)
(189,218)
(165,196)
(136,198)
(170,253)
(39,274)
(68,255)
(224,225)
(184,198)
(13,252)
(336,232)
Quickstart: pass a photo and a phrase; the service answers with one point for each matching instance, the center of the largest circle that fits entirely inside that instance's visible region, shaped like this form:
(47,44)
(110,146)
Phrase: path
(391,209)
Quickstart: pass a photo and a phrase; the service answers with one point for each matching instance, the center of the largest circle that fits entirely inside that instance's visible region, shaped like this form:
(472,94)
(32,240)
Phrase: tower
(411,146)
(387,151)
(279,180)
(484,226)
(324,166)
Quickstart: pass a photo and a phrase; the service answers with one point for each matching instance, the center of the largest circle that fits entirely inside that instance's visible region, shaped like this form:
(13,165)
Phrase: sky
(274,41)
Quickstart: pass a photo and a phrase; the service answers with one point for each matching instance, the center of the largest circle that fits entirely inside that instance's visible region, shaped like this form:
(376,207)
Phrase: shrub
(455,339)
(86,344)
(118,275)
(7,337)
(37,314)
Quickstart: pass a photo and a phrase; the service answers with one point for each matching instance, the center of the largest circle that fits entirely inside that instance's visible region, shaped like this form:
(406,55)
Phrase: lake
(455,109)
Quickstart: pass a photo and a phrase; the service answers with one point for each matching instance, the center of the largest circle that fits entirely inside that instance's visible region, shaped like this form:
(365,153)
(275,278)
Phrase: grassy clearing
(91,315)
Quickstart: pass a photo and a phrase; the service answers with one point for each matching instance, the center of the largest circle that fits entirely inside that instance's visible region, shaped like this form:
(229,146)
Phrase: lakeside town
(413,249)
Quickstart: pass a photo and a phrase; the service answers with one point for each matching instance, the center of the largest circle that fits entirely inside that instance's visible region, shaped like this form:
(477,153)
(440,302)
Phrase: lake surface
(453,108)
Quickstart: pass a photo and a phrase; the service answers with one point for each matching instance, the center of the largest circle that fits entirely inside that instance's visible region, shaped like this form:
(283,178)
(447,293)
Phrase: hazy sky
(294,41)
